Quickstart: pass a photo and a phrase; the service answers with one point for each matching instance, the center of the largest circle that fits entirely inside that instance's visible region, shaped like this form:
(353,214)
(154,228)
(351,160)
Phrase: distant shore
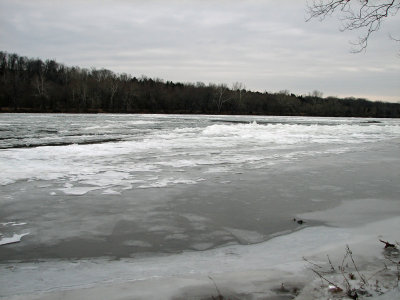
(94,112)
(32,85)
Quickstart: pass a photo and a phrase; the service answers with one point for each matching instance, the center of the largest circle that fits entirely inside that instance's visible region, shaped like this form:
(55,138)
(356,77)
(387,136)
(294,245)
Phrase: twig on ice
(355,266)
(338,288)
(332,267)
(387,244)
(311,263)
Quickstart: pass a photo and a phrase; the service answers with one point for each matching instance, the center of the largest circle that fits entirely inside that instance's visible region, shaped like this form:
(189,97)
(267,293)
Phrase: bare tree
(364,15)
(284,92)
(239,88)
(113,85)
(316,94)
(39,83)
(221,95)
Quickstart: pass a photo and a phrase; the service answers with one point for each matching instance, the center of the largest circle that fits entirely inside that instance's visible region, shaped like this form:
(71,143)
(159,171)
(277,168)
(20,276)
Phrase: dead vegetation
(346,281)
(219,295)
(343,280)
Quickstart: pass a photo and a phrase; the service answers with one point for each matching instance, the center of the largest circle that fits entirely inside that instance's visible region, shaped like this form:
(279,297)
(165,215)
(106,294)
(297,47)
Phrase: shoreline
(237,270)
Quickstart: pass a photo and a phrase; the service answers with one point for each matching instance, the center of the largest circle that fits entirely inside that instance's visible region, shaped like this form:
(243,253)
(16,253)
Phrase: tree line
(33,85)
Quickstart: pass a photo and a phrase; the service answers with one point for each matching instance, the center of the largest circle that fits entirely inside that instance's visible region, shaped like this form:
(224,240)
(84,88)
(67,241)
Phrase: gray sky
(267,45)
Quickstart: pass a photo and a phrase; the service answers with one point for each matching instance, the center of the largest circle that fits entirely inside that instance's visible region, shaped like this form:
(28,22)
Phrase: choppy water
(119,185)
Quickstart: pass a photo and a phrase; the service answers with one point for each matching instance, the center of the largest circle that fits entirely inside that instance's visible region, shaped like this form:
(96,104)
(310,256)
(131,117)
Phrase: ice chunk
(12,224)
(202,246)
(78,190)
(169,182)
(16,238)
(246,236)
(18,224)
(137,243)
(110,192)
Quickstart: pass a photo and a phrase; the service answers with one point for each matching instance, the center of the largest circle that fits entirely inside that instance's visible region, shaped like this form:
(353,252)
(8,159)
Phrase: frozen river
(120,186)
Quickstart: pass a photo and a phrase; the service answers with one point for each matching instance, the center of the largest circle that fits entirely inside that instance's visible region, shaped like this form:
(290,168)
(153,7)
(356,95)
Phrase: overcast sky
(266,44)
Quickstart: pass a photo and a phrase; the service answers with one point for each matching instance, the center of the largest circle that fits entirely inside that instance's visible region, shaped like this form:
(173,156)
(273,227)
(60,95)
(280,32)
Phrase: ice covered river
(118,186)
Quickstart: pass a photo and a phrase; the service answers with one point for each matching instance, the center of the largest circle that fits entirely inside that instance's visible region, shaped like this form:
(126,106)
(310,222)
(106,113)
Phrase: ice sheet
(202,143)
(279,258)
(168,154)
(355,212)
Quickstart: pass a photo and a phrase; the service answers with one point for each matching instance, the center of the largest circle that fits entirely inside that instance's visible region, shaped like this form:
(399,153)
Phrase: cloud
(265,44)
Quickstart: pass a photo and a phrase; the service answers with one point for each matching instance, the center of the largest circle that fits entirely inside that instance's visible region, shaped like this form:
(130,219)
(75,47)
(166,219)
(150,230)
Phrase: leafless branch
(217,289)
(387,244)
(311,263)
(385,268)
(330,263)
(327,280)
(365,15)
(348,285)
(354,264)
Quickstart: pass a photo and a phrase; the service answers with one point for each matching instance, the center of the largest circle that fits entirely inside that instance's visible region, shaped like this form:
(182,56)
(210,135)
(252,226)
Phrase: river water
(82,186)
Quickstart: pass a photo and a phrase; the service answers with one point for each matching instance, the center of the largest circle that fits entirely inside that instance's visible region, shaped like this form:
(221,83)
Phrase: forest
(33,85)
